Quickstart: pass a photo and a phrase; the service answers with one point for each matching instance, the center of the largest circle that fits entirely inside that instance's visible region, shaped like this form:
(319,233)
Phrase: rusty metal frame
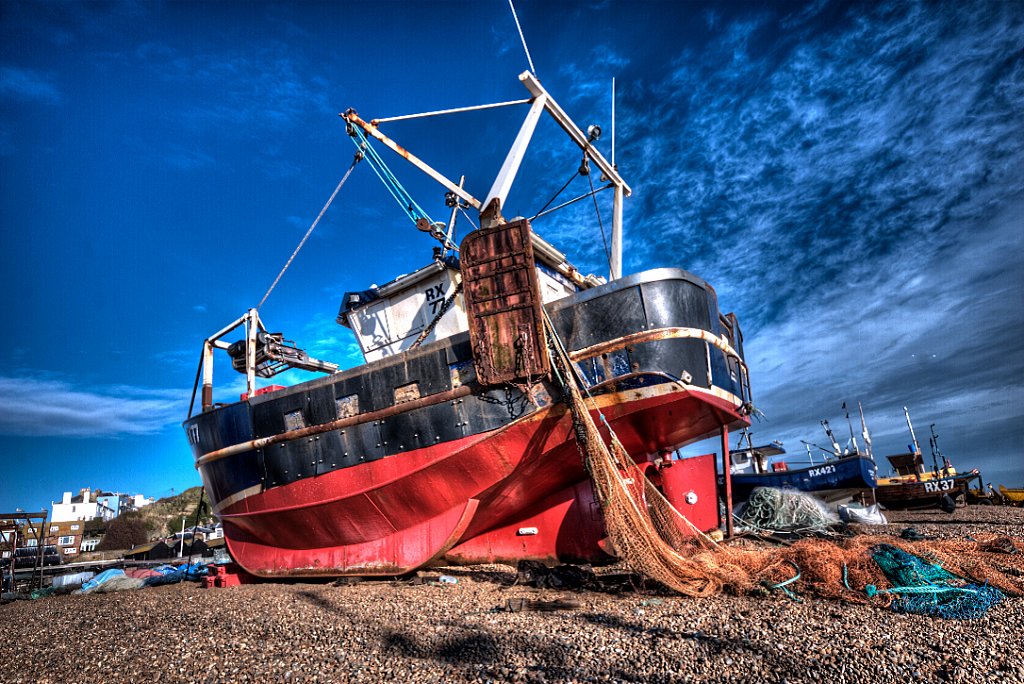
(251,320)
(39,535)
(352,117)
(253,325)
(490,207)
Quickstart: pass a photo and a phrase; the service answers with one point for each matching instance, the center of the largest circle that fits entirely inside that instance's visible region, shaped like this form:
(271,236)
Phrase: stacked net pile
(771,509)
(652,538)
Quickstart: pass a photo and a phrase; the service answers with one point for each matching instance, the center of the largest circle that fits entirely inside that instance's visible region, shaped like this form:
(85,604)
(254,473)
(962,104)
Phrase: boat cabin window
(741,459)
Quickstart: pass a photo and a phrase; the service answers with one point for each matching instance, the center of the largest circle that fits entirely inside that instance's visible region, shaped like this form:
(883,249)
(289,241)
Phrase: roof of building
(145,548)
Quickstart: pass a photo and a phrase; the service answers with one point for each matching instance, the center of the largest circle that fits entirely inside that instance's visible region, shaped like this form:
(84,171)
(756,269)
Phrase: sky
(848,176)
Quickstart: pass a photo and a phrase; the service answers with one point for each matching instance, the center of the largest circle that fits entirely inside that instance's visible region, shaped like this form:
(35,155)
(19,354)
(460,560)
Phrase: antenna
(615,270)
(935,436)
(613,121)
(522,37)
(935,462)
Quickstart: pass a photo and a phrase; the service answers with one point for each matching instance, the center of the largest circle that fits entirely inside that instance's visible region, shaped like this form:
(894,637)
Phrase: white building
(81,507)
(139,500)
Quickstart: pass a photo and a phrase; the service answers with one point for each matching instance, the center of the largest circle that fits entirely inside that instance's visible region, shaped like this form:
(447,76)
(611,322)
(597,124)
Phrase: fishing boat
(915,487)
(1013,497)
(452,443)
(833,479)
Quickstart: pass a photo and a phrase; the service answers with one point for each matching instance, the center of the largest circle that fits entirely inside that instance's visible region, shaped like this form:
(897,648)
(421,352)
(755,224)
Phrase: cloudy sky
(849,176)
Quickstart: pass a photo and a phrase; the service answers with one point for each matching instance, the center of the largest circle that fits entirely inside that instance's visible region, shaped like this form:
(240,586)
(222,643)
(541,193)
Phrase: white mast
(828,431)
(853,440)
(917,449)
(615,267)
(864,432)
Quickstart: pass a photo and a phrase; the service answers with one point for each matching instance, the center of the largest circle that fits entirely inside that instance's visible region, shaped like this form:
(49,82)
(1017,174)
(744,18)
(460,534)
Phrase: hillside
(158,520)
(160,514)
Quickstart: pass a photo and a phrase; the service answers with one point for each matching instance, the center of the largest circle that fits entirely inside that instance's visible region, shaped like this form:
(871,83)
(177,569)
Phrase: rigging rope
(413,210)
(195,385)
(522,37)
(638,518)
(305,237)
(607,252)
(468,217)
(555,196)
(650,536)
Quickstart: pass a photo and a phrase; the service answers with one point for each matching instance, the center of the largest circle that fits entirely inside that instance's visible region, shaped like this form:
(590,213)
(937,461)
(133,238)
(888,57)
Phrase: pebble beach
(487,628)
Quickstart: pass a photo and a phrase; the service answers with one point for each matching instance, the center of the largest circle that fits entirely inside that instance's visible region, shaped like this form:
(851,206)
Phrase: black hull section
(662,299)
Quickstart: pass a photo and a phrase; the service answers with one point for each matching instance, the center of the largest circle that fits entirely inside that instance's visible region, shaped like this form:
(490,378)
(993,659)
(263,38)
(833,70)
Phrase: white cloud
(942,338)
(27,85)
(269,86)
(44,407)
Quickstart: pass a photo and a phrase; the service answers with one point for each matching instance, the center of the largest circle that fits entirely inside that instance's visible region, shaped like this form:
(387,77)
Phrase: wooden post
(726,473)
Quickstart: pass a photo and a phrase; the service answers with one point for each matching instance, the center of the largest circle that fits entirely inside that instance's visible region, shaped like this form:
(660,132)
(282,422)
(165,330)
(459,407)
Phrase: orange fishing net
(652,538)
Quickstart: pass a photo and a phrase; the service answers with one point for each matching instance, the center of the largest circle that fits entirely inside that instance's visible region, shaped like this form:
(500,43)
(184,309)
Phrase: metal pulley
(585,166)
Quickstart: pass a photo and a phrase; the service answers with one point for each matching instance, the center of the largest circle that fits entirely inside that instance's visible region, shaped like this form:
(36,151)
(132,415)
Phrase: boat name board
(939,485)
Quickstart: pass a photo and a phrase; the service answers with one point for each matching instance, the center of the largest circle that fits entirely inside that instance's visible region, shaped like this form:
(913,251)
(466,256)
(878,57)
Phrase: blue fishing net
(926,588)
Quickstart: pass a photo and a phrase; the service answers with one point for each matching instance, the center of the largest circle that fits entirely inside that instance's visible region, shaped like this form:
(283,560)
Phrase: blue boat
(834,479)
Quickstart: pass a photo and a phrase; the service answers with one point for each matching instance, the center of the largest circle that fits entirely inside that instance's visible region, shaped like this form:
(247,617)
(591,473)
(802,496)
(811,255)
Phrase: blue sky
(848,176)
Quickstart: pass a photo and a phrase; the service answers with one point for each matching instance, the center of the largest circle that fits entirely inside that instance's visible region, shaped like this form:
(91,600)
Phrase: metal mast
(828,431)
(917,448)
(864,432)
(615,267)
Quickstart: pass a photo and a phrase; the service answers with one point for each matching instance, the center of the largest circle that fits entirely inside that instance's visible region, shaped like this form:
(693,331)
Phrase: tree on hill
(174,525)
(124,532)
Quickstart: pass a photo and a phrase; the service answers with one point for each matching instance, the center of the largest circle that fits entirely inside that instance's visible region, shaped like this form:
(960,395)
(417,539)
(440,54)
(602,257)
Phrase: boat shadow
(502,658)
(562,578)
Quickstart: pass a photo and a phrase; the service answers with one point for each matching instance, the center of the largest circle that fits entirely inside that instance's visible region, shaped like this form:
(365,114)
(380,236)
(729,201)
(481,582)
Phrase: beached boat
(914,486)
(1014,497)
(452,443)
(836,478)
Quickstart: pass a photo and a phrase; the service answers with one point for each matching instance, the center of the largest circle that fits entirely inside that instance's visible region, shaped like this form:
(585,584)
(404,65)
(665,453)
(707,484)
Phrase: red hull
(469,500)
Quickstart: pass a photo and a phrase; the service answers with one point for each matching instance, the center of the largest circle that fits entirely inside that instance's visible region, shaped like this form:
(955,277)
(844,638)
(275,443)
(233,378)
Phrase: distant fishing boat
(452,443)
(837,478)
(1014,497)
(915,487)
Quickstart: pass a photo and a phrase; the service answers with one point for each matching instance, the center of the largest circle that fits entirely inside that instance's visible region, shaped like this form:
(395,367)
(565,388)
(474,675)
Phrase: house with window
(66,536)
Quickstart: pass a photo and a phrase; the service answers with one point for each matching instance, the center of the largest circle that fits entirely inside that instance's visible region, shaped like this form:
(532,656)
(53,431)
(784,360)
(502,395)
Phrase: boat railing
(261,353)
(720,343)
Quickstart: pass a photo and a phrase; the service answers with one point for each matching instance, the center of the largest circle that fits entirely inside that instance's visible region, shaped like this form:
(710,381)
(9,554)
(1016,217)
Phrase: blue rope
(784,585)
(413,210)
